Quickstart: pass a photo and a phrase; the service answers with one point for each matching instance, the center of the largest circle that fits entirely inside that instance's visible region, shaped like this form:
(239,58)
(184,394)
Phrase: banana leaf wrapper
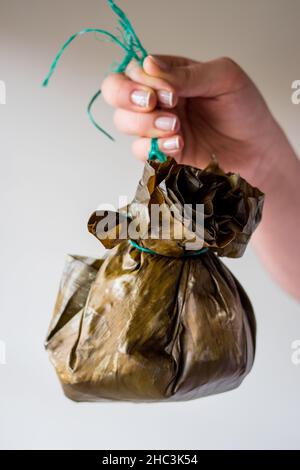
(140,326)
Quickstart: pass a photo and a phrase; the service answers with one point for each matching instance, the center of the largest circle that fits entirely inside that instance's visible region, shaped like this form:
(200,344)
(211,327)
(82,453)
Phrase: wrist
(277,159)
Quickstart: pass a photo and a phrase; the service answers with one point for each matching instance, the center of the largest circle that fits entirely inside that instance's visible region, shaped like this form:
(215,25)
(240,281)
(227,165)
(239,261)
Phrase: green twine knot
(129,42)
(152,252)
(155,152)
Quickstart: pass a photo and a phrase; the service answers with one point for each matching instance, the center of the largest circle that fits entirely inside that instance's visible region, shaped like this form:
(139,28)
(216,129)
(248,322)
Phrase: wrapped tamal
(154,320)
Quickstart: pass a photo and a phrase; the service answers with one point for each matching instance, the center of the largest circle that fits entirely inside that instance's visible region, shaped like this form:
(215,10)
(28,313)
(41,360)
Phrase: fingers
(167,62)
(137,92)
(163,79)
(197,79)
(166,95)
(153,124)
(172,146)
(121,92)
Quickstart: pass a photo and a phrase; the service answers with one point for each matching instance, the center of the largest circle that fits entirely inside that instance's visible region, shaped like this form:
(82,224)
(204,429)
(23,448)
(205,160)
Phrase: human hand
(215,108)
(203,108)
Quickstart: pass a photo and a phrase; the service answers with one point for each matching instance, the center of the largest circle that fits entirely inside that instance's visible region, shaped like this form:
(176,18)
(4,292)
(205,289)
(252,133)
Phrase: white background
(55,170)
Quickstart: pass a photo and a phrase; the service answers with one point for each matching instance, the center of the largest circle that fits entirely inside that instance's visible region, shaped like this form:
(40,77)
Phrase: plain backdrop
(56,169)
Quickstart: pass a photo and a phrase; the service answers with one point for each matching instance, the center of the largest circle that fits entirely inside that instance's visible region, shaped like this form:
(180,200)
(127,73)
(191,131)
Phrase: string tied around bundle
(152,252)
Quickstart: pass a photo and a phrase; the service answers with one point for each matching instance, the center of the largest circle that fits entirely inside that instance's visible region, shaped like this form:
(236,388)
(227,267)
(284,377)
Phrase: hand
(214,108)
(196,109)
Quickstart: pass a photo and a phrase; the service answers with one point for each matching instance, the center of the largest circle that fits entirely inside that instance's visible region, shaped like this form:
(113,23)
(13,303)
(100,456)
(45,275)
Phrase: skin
(219,111)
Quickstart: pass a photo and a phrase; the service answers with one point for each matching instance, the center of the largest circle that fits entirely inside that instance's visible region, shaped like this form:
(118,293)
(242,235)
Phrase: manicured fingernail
(166,123)
(171,144)
(166,97)
(140,98)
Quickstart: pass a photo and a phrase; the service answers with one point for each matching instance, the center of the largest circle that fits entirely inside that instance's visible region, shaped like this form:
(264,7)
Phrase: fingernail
(166,97)
(140,98)
(171,144)
(166,123)
(160,63)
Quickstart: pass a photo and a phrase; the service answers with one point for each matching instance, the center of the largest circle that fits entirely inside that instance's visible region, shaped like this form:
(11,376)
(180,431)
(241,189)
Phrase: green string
(152,252)
(155,152)
(53,66)
(92,119)
(131,45)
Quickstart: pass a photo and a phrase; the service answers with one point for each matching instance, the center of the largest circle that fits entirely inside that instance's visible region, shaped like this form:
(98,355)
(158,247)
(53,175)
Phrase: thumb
(190,78)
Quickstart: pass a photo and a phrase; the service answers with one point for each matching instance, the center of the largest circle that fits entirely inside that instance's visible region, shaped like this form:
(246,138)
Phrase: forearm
(277,240)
